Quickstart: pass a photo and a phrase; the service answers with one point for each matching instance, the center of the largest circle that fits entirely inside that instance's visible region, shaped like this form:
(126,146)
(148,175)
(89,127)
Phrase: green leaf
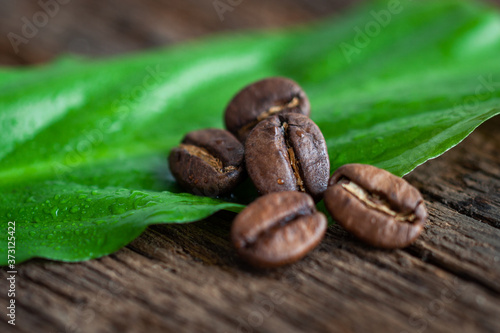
(84,143)
(67,221)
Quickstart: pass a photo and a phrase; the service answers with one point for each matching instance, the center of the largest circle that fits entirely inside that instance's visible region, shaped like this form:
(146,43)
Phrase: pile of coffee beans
(271,138)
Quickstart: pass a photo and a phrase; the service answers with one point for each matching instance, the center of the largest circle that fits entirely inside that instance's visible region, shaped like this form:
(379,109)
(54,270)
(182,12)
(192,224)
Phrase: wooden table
(187,278)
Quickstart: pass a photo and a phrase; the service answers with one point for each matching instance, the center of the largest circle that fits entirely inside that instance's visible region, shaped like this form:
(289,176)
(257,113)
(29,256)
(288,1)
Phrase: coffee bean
(278,229)
(261,100)
(379,208)
(208,162)
(287,152)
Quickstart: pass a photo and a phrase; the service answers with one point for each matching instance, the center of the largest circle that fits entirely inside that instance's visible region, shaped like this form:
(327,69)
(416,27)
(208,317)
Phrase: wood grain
(186,278)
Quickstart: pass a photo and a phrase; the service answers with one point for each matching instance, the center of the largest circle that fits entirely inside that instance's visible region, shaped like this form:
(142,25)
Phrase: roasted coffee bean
(261,100)
(208,162)
(278,229)
(287,152)
(379,208)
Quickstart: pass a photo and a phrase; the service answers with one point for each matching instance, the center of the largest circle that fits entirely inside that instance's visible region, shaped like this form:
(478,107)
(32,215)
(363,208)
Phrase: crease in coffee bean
(250,242)
(294,162)
(374,201)
(294,102)
(211,160)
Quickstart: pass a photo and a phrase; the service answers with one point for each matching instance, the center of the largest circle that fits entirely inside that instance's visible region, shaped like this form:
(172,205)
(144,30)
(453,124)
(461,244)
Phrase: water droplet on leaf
(75,209)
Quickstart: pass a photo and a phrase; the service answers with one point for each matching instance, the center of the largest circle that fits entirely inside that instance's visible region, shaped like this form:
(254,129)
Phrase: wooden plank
(187,277)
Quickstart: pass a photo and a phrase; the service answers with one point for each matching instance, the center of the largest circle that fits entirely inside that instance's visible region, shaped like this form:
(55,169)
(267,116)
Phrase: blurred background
(37,31)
